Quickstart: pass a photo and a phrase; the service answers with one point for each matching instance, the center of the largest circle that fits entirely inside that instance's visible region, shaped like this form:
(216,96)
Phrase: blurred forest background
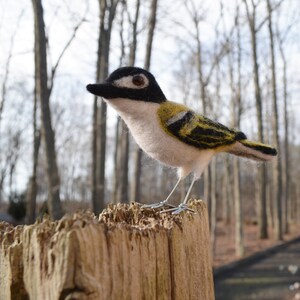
(235,61)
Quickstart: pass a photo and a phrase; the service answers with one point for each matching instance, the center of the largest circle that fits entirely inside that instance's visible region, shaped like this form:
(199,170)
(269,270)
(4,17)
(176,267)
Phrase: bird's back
(196,130)
(204,134)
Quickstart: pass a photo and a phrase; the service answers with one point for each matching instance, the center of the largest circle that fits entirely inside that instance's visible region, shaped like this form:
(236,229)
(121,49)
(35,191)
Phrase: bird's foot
(177,210)
(158,205)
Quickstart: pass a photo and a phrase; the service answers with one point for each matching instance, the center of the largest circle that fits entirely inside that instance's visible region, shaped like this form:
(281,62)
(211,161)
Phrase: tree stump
(125,253)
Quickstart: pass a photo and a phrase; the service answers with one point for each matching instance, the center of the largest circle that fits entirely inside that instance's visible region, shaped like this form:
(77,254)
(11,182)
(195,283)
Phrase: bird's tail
(252,150)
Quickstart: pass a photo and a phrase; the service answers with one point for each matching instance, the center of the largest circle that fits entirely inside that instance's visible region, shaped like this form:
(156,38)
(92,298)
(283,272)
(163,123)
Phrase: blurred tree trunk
(116,181)
(32,186)
(277,173)
(115,185)
(287,199)
(122,158)
(134,24)
(262,174)
(269,195)
(213,170)
(296,212)
(236,121)
(106,17)
(121,193)
(5,76)
(286,175)
(150,37)
(10,161)
(2,177)
(202,86)
(43,93)
(136,180)
(213,217)
(227,207)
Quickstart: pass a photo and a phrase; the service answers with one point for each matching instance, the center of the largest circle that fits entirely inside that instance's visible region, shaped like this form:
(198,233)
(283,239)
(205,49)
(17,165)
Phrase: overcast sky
(79,61)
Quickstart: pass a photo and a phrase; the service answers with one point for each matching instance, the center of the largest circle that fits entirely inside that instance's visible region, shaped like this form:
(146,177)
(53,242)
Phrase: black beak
(102,89)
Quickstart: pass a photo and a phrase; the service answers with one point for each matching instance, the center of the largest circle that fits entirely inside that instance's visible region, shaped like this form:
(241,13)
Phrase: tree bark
(129,253)
(43,94)
(277,174)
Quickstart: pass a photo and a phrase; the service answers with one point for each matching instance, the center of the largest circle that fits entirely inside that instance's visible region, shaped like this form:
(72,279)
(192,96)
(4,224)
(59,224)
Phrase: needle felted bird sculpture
(170,132)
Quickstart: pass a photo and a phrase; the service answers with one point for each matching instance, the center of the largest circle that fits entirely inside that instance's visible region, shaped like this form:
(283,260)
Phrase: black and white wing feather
(196,130)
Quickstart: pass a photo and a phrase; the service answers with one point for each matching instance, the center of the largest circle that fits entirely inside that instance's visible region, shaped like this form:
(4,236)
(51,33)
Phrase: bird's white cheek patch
(126,82)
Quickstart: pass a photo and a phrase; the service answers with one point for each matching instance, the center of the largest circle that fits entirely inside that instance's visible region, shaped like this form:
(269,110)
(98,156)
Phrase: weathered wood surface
(126,253)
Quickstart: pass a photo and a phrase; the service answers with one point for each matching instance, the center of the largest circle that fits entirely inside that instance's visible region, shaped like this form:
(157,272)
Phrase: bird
(170,132)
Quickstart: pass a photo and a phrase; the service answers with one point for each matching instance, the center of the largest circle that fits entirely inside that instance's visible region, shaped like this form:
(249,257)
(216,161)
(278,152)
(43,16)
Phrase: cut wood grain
(125,253)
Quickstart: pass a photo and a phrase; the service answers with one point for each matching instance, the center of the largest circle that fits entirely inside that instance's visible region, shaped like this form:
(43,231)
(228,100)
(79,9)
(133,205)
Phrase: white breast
(142,120)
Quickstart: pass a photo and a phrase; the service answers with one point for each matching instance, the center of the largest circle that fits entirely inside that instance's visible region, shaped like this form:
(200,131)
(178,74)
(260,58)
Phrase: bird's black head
(129,83)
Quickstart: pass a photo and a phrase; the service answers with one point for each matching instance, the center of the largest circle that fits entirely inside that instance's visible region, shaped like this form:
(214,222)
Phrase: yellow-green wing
(196,130)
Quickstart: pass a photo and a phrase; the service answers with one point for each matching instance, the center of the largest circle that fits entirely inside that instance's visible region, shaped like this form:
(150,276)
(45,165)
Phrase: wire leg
(183,206)
(186,198)
(173,190)
(165,202)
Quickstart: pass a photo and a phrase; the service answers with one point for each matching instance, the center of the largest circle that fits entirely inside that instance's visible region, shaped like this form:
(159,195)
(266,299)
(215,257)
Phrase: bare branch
(247,9)
(183,26)
(68,44)
(285,34)
(133,43)
(7,65)
(121,33)
(218,57)
(266,18)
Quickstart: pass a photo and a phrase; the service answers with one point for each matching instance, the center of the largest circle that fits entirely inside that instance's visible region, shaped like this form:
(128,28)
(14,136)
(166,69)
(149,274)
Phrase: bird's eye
(138,80)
